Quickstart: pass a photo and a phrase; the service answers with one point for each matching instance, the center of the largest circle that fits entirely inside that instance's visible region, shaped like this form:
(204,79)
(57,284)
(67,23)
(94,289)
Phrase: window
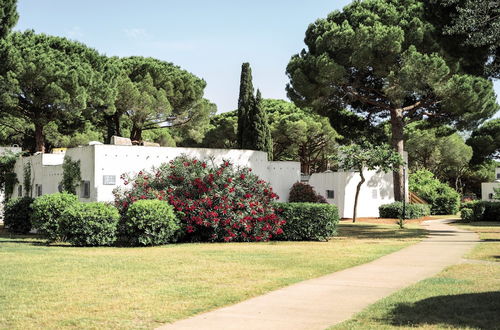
(330,194)
(490,196)
(60,188)
(85,189)
(20,191)
(38,189)
(498,176)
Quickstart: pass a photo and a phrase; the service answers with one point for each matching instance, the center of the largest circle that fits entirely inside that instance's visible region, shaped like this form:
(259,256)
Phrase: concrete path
(331,299)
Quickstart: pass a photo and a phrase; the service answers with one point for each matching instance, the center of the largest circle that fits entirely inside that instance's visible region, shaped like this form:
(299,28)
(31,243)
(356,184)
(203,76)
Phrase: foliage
(69,138)
(485,142)
(412,211)
(481,211)
(308,221)
(90,224)
(161,136)
(304,193)
(379,59)
(151,91)
(214,203)
(17,215)
(8,16)
(470,28)
(443,199)
(46,79)
(222,132)
(467,214)
(359,158)
(149,222)
(27,183)
(8,177)
(47,211)
(71,175)
(253,131)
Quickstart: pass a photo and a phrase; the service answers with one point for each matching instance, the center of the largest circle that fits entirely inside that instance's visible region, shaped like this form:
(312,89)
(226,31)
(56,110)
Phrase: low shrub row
(308,221)
(480,211)
(62,218)
(412,211)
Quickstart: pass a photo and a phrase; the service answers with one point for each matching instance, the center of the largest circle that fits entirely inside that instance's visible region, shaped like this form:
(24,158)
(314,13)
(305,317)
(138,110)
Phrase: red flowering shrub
(214,203)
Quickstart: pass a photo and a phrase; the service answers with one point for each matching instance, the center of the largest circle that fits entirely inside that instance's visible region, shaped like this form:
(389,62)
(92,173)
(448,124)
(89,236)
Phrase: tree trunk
(39,138)
(397,140)
(136,133)
(358,189)
(116,118)
(110,129)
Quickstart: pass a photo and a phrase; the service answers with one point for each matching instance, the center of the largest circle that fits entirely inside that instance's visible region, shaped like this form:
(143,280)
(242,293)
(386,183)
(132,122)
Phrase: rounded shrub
(412,211)
(467,214)
(308,221)
(304,193)
(17,215)
(47,211)
(90,224)
(149,222)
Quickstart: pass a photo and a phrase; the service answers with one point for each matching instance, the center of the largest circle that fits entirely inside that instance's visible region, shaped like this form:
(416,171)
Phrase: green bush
(90,224)
(412,211)
(17,215)
(443,198)
(467,214)
(482,211)
(308,221)
(304,193)
(47,211)
(149,222)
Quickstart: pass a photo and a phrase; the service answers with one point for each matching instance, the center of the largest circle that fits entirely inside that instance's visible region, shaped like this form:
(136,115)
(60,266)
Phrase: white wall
(97,161)
(377,190)
(487,189)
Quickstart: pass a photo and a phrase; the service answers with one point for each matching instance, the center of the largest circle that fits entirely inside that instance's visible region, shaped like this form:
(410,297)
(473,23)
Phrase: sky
(211,39)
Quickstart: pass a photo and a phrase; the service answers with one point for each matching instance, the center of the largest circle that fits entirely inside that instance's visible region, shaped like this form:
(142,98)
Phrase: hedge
(481,211)
(149,222)
(412,211)
(308,221)
(17,215)
(90,224)
(47,211)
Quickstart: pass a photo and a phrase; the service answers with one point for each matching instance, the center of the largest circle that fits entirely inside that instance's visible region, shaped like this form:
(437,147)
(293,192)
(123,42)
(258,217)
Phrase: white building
(102,165)
(487,191)
(339,188)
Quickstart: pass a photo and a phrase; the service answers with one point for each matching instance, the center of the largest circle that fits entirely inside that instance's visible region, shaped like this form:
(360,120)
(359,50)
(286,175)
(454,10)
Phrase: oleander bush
(17,215)
(149,222)
(308,221)
(304,193)
(443,198)
(412,211)
(90,224)
(213,202)
(47,211)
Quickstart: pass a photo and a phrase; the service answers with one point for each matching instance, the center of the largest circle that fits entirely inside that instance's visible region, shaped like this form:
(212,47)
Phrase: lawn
(66,287)
(462,296)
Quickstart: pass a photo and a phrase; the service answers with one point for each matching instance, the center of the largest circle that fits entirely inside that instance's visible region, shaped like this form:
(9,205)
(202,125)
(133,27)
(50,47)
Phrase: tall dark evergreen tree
(8,16)
(260,130)
(245,105)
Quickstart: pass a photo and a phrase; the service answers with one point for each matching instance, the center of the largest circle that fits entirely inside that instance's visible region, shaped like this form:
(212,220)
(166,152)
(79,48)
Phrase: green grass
(465,296)
(66,287)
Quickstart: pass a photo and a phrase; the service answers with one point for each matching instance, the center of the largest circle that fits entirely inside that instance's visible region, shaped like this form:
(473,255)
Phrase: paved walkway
(331,299)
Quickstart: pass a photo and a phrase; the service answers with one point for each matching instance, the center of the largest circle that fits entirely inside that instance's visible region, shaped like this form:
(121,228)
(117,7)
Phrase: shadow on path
(474,310)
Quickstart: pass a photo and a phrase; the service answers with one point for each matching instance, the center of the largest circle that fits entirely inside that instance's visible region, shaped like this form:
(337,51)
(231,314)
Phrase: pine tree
(245,105)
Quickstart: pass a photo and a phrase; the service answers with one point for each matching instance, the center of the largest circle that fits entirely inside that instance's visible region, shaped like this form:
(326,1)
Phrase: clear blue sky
(208,38)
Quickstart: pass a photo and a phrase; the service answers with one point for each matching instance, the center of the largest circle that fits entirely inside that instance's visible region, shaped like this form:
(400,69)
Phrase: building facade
(487,188)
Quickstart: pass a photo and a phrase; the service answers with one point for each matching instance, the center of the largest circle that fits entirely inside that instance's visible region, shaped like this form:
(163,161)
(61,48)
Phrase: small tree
(71,175)
(367,157)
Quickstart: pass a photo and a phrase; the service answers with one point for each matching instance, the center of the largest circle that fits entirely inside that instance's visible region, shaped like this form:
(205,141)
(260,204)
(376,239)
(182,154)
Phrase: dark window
(39,190)
(490,196)
(60,188)
(85,189)
(498,176)
(20,191)
(330,194)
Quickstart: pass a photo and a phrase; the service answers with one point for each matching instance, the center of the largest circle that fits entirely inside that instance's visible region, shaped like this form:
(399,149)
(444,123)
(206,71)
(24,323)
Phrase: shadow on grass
(377,232)
(474,310)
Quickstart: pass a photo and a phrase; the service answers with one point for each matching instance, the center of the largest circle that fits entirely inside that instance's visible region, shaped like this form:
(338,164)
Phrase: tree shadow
(474,310)
(376,232)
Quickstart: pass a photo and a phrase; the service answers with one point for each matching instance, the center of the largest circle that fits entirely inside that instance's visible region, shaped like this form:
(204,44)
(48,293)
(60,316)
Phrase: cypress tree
(245,105)
(261,132)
